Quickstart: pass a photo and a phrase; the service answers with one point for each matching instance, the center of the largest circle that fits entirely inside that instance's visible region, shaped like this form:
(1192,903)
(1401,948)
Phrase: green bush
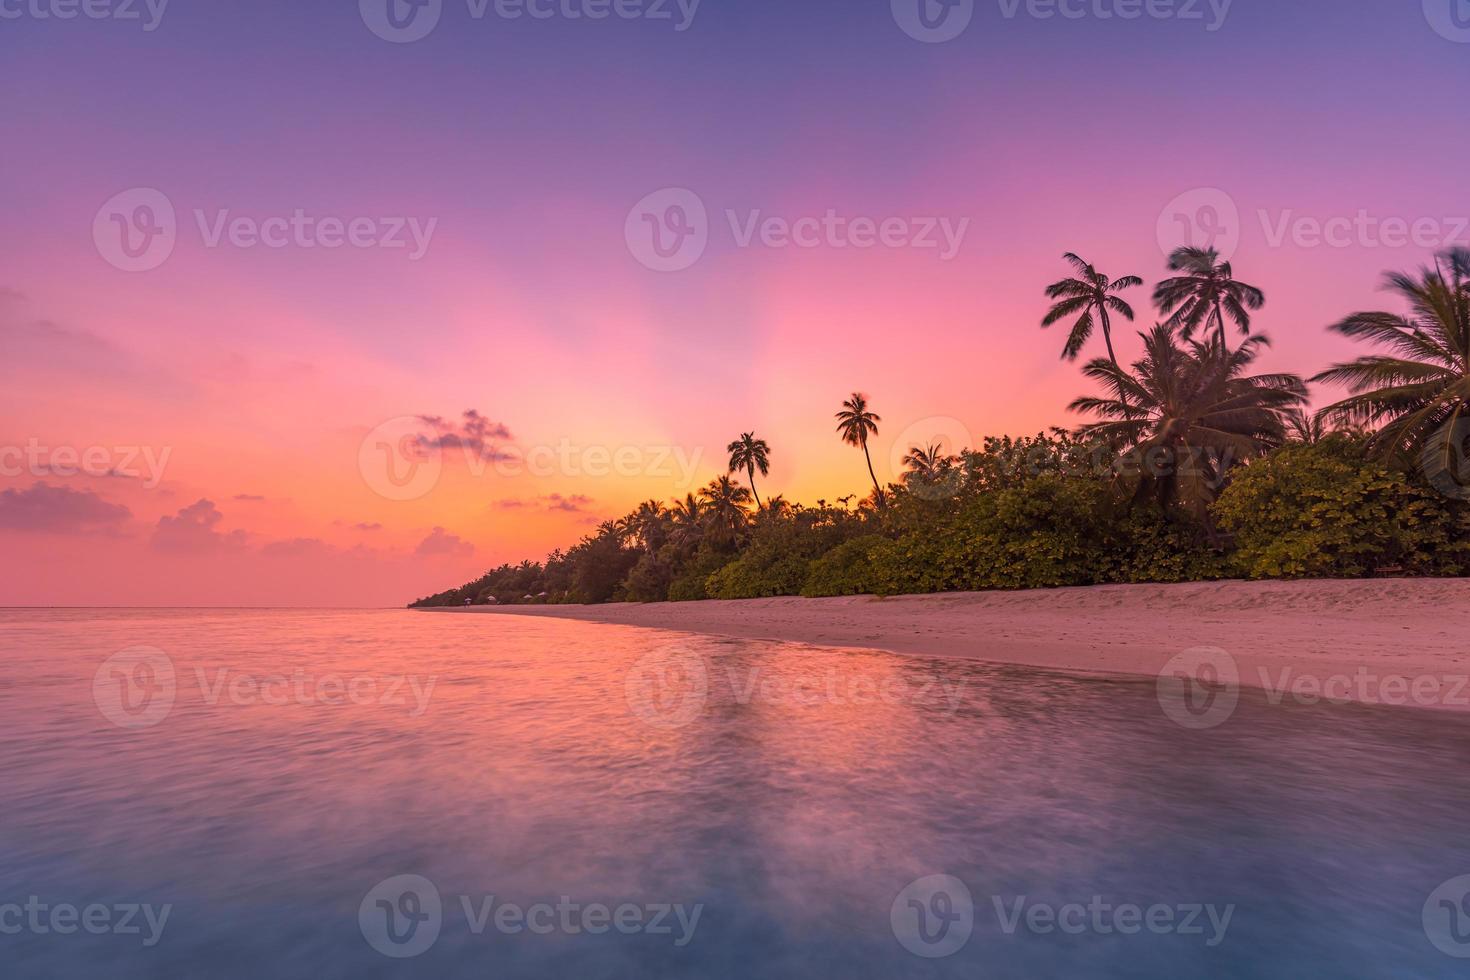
(689,586)
(1323,511)
(848,568)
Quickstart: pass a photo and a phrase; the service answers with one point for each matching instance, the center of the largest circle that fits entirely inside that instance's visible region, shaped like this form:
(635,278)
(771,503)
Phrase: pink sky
(257,373)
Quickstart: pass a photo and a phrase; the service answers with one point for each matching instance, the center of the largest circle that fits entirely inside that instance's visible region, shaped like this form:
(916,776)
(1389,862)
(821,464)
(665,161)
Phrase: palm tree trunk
(750,470)
(1107,326)
(1220,325)
(882,501)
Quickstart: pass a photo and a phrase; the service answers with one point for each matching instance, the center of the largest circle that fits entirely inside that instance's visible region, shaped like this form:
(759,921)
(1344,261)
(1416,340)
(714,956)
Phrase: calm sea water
(394,794)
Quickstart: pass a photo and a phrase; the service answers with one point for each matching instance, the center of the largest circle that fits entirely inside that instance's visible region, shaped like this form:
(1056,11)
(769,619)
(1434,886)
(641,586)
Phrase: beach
(1362,640)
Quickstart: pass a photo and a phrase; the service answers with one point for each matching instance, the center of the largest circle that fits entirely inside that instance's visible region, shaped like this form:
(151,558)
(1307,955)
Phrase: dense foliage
(1194,468)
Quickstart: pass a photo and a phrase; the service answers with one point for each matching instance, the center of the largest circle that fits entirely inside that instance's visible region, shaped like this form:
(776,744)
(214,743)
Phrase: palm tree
(1305,428)
(687,517)
(725,502)
(1089,296)
(750,454)
(855,424)
(1205,294)
(778,507)
(1419,392)
(931,473)
(928,462)
(1185,414)
(649,525)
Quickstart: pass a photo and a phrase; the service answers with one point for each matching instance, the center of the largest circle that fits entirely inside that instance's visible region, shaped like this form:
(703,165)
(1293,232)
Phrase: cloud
(575,503)
(253,498)
(365,526)
(475,435)
(47,508)
(194,529)
(441,543)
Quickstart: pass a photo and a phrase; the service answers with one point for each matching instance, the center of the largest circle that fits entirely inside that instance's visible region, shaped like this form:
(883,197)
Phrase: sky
(341,303)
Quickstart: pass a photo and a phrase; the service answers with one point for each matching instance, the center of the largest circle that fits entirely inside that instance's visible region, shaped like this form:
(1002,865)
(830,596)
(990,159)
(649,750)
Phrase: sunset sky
(243,391)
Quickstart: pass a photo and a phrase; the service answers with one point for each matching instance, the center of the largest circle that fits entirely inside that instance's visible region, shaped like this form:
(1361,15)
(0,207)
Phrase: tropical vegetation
(1188,463)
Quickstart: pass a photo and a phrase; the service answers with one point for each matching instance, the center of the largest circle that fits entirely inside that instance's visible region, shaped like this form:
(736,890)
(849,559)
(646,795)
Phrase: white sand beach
(1302,634)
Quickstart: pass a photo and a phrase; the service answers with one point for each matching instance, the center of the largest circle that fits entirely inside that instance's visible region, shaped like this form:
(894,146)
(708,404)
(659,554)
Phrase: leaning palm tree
(1089,297)
(750,454)
(1418,392)
(1187,412)
(855,424)
(1205,294)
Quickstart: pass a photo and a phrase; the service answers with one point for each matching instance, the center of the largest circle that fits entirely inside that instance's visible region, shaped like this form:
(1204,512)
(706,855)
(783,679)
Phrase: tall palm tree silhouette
(1205,294)
(750,454)
(855,424)
(1089,296)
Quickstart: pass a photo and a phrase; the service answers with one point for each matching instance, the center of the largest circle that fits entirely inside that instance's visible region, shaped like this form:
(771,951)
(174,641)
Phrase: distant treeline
(1195,469)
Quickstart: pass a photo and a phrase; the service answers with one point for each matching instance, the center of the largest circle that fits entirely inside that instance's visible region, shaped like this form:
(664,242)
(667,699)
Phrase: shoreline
(1284,636)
